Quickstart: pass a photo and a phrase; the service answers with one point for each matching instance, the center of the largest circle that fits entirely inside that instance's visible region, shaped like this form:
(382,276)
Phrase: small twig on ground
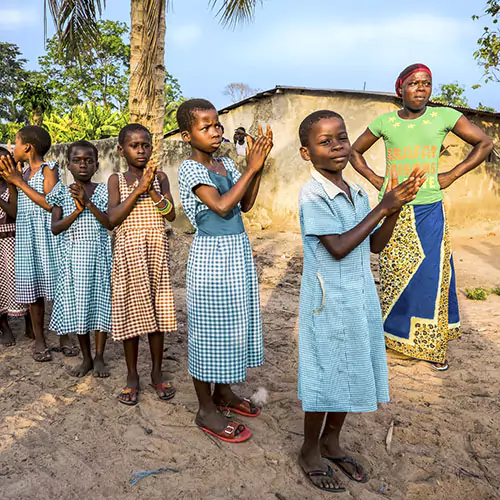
(388,437)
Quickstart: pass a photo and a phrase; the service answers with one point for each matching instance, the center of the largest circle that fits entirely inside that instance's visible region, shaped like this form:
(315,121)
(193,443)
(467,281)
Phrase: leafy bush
(85,122)
(478,293)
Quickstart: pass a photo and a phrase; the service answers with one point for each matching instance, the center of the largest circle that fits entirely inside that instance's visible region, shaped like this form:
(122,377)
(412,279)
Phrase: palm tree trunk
(147,98)
(37,117)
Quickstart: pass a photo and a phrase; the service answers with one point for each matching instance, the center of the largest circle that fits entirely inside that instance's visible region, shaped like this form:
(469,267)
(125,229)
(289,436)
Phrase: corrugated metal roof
(365,93)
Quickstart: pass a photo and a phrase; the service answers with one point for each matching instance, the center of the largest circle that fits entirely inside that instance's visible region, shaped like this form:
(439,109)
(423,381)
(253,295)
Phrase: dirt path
(69,438)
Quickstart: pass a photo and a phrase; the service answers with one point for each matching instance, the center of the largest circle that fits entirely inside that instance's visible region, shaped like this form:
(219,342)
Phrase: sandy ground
(65,438)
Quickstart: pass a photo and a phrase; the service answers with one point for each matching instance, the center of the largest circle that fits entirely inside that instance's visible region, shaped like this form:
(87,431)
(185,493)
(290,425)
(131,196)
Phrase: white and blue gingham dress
(35,255)
(82,302)
(224,317)
(342,360)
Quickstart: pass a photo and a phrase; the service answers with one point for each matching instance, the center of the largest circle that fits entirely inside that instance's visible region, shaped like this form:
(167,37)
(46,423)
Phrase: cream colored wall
(473,202)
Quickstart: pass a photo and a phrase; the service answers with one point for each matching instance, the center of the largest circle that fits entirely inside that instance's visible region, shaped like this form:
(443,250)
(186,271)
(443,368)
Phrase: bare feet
(83,369)
(100,368)
(319,473)
(7,338)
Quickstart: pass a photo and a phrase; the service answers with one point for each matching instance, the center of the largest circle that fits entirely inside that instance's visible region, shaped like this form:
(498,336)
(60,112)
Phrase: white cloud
(14,19)
(183,35)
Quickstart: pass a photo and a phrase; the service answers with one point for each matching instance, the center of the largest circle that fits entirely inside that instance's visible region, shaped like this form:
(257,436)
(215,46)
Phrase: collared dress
(36,260)
(342,360)
(82,302)
(224,316)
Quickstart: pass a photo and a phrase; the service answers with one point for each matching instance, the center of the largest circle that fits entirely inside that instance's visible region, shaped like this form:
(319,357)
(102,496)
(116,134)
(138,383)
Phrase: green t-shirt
(415,143)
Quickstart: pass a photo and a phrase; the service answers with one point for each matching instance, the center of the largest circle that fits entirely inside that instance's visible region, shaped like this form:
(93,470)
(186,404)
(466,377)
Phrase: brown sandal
(165,390)
(42,356)
(128,391)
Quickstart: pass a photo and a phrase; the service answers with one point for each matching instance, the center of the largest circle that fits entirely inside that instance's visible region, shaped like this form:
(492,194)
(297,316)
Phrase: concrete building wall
(472,201)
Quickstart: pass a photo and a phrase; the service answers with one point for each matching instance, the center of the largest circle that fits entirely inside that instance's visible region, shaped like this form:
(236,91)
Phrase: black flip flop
(322,473)
(349,460)
(42,356)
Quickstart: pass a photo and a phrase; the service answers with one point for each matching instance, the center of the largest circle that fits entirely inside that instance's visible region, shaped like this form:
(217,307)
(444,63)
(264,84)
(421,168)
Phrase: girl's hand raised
(259,149)
(396,195)
(9,171)
(147,179)
(79,195)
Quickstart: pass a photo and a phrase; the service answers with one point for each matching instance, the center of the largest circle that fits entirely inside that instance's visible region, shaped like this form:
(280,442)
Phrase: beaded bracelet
(166,209)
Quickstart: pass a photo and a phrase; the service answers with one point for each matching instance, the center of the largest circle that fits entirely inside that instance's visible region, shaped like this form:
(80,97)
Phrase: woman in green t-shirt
(418,293)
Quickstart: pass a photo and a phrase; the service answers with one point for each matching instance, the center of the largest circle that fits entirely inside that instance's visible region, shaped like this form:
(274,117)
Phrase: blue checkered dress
(82,301)
(224,317)
(342,361)
(35,255)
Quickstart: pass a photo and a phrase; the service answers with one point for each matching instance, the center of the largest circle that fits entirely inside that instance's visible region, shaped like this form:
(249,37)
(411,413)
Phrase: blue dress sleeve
(193,174)
(57,195)
(100,197)
(318,217)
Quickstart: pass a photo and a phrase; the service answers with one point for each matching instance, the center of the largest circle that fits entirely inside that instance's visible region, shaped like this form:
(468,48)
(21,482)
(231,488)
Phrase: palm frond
(232,12)
(76,23)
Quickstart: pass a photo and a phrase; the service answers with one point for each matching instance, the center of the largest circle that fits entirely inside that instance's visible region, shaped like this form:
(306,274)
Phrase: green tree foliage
(482,107)
(35,99)
(451,94)
(12,75)
(488,51)
(99,75)
(87,121)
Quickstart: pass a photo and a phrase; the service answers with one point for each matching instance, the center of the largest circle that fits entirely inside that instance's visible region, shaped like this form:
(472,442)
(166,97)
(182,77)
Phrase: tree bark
(147,107)
(37,117)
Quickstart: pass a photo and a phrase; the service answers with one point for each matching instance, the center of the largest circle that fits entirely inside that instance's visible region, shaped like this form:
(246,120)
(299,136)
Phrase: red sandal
(232,433)
(245,408)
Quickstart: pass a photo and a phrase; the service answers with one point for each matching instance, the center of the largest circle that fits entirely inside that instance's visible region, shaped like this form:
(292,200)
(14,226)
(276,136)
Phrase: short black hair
(128,129)
(309,121)
(6,152)
(81,144)
(185,113)
(38,137)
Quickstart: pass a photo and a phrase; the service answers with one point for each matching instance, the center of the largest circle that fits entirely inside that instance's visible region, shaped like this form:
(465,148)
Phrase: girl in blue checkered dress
(82,301)
(342,363)
(35,255)
(224,318)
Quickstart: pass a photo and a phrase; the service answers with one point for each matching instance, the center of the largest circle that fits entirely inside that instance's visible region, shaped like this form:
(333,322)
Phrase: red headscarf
(410,70)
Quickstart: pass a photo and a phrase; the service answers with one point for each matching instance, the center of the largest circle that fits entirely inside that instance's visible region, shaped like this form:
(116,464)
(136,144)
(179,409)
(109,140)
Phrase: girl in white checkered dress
(142,298)
(82,301)
(8,304)
(224,317)
(36,261)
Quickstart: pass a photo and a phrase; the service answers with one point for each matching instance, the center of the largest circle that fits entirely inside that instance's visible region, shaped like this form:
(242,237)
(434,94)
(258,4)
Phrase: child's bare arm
(60,224)
(365,141)
(117,211)
(165,192)
(341,245)
(10,207)
(241,191)
(13,175)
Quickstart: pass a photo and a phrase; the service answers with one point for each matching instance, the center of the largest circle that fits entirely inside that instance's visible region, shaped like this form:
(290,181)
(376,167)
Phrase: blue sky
(318,43)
